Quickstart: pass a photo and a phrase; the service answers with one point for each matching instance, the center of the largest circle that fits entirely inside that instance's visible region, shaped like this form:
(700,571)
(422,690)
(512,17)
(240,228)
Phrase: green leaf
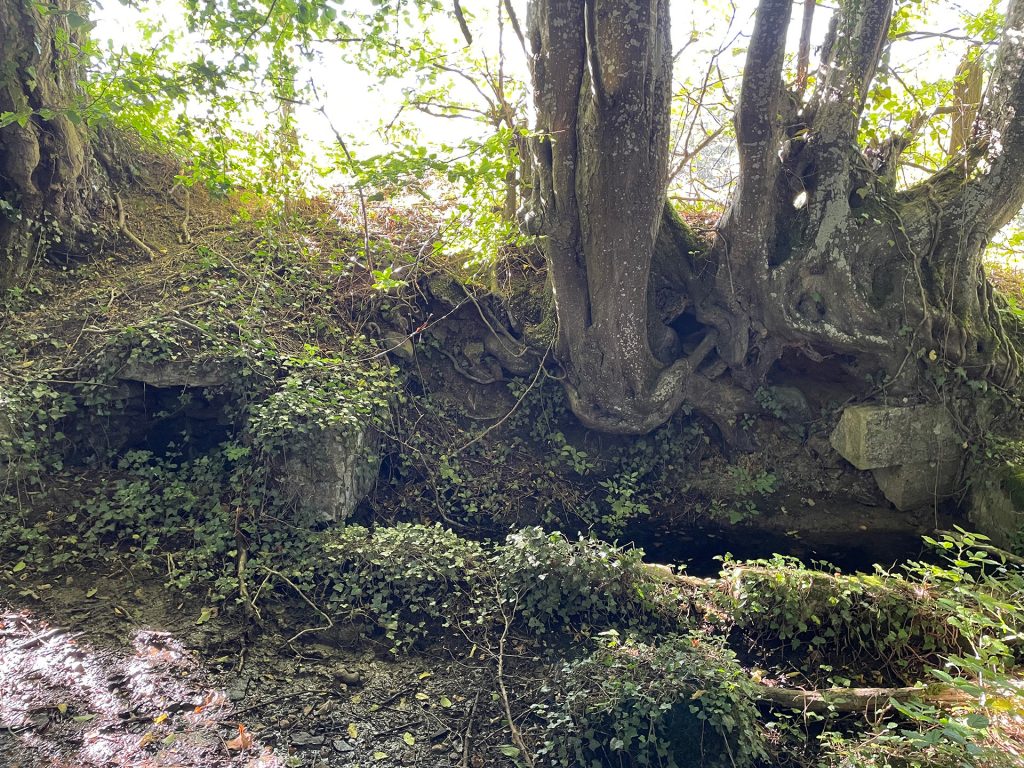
(977,721)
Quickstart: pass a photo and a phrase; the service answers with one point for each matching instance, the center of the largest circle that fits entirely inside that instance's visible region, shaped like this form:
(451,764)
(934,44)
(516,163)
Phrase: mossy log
(866,700)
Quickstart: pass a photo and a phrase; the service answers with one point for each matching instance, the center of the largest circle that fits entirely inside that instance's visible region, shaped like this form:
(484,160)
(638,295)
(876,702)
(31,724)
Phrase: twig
(468,736)
(310,603)
(395,729)
(37,639)
(122,224)
(503,419)
(517,736)
(359,188)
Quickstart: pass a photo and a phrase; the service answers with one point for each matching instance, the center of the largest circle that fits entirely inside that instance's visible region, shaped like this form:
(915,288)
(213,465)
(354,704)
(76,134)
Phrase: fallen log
(866,700)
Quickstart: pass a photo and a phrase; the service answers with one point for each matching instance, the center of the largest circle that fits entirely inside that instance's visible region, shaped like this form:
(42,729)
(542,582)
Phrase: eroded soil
(112,672)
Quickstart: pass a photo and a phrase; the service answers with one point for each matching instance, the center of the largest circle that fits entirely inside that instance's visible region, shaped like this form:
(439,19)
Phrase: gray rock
(178,373)
(514,357)
(399,345)
(328,478)
(876,436)
(912,486)
(792,404)
(997,505)
(307,739)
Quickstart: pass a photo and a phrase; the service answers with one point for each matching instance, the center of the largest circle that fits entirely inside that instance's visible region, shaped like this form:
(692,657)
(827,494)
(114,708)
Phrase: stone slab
(877,436)
(178,373)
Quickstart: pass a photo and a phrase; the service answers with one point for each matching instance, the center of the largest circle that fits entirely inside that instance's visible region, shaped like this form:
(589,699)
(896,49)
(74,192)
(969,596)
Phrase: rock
(792,405)
(307,739)
(513,356)
(349,677)
(328,478)
(399,345)
(911,486)
(238,688)
(340,745)
(997,505)
(178,373)
(473,351)
(914,452)
(876,436)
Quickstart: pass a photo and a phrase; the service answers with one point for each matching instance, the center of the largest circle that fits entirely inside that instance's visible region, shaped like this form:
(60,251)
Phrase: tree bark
(602,73)
(49,184)
(817,251)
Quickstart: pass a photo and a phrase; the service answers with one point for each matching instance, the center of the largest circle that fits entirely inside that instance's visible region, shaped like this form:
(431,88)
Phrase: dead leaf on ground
(242,741)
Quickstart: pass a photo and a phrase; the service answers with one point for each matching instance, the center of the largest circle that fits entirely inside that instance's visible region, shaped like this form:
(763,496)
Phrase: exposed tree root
(184,235)
(122,225)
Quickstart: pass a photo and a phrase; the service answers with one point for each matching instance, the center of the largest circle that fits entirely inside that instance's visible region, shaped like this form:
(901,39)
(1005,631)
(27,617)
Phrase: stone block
(327,479)
(876,436)
(921,484)
(997,505)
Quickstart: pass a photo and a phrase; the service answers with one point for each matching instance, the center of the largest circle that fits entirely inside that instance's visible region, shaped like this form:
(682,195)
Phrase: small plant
(684,702)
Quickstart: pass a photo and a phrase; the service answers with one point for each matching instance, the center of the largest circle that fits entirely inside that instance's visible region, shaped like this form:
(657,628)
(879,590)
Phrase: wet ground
(110,672)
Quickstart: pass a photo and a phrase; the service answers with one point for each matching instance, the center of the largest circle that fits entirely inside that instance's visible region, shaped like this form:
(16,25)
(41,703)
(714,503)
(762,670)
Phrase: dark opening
(701,549)
(182,422)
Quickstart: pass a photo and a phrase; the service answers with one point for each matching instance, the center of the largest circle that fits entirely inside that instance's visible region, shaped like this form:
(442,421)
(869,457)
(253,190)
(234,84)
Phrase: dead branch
(804,53)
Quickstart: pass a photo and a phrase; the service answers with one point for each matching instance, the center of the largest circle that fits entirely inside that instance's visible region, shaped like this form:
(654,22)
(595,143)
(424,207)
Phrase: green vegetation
(318,410)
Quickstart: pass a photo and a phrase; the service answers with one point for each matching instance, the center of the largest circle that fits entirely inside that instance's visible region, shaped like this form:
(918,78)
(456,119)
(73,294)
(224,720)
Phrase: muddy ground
(104,672)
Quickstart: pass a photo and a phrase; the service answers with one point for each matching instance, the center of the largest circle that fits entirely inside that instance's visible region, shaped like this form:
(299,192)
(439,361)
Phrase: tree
(49,183)
(818,251)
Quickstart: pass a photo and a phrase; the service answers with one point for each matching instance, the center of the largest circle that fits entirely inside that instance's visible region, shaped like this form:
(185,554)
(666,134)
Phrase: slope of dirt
(109,672)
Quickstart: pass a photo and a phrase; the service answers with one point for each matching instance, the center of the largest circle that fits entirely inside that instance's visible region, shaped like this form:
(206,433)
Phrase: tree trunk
(602,74)
(817,252)
(49,184)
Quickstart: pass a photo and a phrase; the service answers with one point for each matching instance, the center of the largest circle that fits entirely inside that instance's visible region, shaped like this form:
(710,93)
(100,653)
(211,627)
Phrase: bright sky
(357,106)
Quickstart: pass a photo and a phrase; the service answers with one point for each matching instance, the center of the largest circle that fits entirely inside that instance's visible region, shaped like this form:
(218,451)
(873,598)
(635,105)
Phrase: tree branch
(461,18)
(803,57)
(990,197)
(849,69)
(514,19)
(865,700)
(756,127)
